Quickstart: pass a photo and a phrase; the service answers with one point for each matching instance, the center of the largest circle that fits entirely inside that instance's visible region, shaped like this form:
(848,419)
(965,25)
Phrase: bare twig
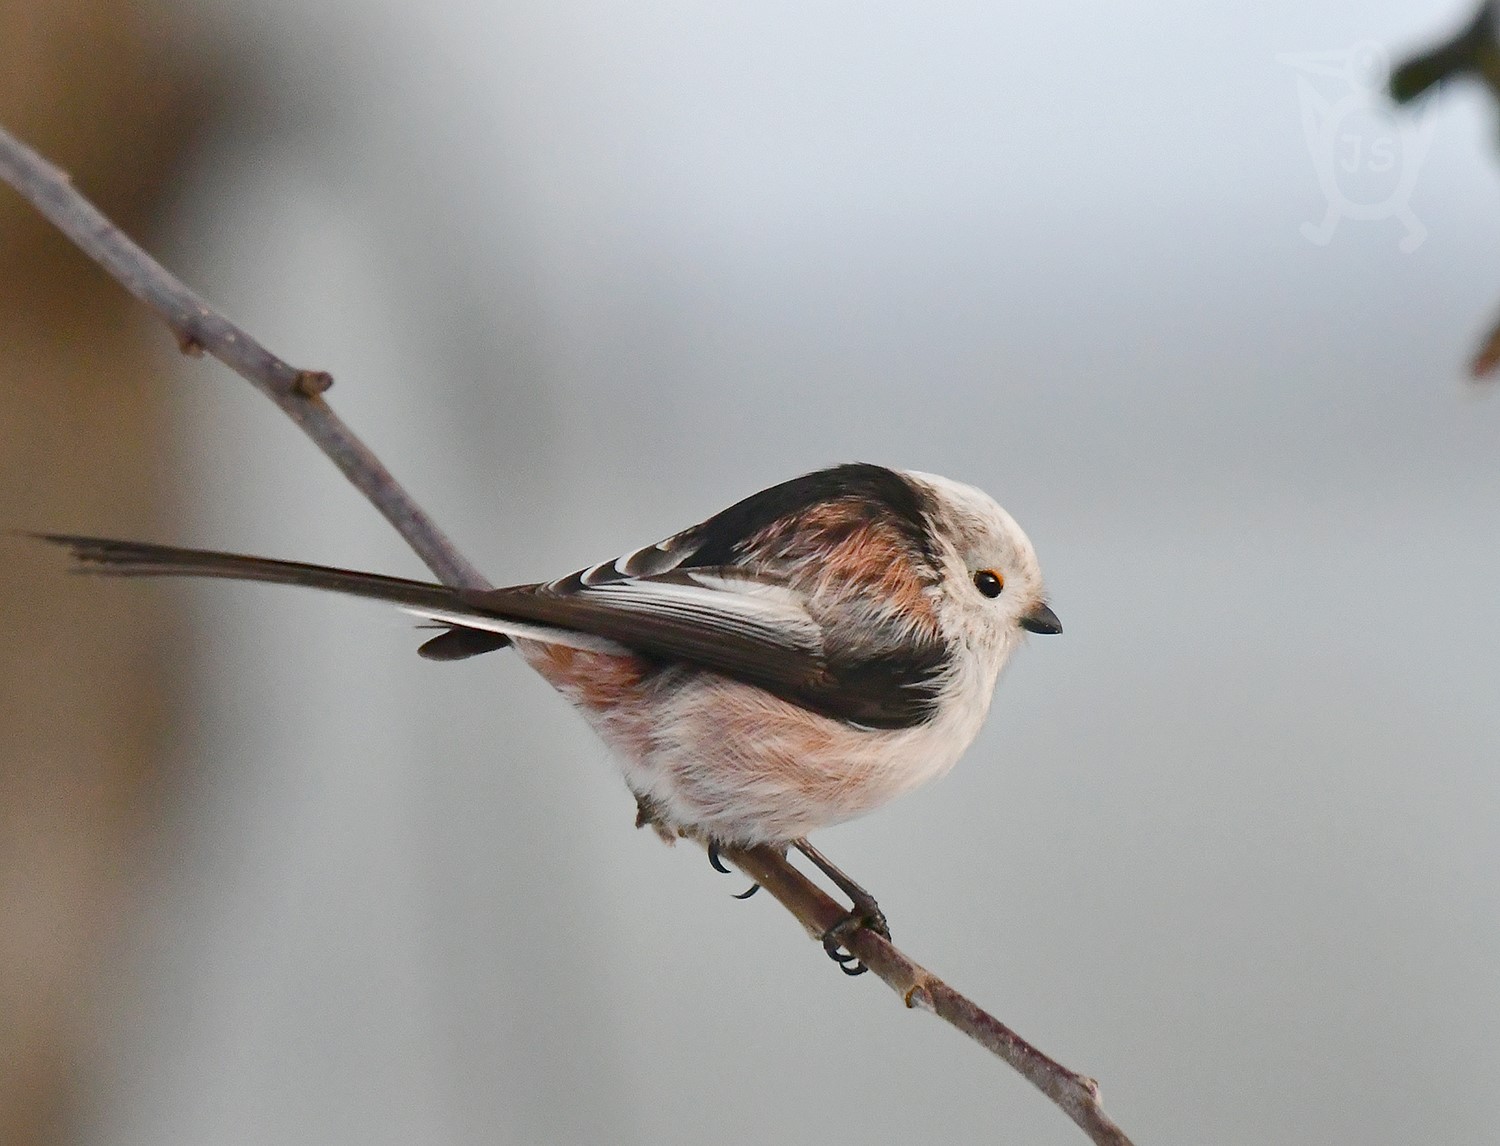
(1076,1095)
(200,328)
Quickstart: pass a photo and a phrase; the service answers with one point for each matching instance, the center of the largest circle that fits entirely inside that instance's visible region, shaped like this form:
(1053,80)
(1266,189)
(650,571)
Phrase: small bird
(796,660)
(1473,51)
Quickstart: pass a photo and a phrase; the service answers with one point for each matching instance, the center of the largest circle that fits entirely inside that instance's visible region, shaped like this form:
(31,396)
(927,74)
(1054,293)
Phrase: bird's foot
(864,913)
(835,937)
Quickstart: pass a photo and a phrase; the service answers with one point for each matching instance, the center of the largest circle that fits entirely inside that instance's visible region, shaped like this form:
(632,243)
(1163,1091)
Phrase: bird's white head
(991,590)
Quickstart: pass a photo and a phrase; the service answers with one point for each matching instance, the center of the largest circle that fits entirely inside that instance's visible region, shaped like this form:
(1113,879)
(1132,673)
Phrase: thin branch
(200,328)
(1075,1094)
(299,392)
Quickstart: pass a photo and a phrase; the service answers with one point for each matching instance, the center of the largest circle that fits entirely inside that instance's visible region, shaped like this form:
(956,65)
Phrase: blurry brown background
(96,85)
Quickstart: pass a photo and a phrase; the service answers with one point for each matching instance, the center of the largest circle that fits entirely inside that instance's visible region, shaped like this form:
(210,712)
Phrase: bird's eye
(988,582)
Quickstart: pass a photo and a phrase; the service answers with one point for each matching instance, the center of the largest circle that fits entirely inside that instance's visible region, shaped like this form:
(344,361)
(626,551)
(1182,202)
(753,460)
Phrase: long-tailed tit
(794,661)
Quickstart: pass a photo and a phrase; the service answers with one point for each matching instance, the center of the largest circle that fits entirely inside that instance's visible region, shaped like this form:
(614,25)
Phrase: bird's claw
(862,918)
(718,865)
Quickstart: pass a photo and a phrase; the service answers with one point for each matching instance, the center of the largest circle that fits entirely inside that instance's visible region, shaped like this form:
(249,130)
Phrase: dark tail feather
(142,559)
(459,644)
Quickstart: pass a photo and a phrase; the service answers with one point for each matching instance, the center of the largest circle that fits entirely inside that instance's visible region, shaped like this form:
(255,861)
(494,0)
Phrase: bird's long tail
(143,559)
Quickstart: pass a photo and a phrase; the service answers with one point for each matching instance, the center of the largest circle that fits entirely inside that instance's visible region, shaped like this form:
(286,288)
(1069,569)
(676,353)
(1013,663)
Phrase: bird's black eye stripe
(988,582)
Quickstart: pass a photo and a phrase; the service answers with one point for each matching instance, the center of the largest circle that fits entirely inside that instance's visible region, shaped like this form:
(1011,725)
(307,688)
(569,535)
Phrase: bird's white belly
(727,761)
(733,763)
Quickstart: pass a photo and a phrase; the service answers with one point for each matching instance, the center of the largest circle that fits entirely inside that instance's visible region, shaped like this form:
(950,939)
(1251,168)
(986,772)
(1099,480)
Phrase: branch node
(189,345)
(918,996)
(311,383)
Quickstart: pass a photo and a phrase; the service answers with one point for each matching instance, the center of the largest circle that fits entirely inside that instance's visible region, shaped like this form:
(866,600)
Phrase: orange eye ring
(989,582)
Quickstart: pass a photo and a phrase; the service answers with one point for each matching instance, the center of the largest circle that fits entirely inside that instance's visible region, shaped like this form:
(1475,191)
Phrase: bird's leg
(864,912)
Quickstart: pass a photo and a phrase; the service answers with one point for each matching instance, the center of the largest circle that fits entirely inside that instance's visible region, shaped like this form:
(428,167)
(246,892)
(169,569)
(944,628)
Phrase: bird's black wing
(751,628)
(734,595)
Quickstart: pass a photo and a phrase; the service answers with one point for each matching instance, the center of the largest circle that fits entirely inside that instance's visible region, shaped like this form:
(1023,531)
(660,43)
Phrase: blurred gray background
(586,273)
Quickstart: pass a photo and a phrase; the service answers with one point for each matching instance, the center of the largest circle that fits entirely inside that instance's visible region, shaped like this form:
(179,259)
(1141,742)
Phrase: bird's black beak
(1041,619)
